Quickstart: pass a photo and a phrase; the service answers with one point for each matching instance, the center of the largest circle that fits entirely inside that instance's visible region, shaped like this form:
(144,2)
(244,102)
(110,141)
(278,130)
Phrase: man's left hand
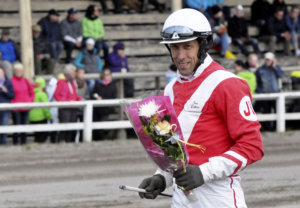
(190,179)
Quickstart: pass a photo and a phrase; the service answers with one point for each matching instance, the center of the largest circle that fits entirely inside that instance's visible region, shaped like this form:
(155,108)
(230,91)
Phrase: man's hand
(190,179)
(154,185)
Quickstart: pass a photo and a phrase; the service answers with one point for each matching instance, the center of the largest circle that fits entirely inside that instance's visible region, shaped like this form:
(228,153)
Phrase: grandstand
(139,32)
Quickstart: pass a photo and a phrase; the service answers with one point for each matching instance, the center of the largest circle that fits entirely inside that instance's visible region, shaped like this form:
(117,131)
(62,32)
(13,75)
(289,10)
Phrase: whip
(129,188)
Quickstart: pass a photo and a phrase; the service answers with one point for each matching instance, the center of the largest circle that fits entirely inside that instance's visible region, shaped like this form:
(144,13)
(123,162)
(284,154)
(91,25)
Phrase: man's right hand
(154,185)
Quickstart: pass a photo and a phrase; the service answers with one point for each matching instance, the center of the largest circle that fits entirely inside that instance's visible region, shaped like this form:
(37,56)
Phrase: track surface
(88,175)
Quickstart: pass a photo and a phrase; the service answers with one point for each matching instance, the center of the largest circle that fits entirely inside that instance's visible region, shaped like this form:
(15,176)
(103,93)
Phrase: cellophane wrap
(156,125)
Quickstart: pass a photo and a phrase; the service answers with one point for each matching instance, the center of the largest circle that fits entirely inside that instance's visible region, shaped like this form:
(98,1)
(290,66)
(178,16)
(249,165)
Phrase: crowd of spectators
(276,23)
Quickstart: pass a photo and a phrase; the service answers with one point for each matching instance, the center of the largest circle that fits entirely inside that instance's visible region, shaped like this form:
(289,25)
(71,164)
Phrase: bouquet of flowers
(155,123)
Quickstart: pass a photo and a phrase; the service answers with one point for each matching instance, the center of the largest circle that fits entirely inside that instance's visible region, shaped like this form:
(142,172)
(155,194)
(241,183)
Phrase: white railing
(88,125)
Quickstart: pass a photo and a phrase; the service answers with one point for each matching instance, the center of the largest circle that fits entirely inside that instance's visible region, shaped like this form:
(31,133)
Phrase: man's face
(279,15)
(185,56)
(5,38)
(268,62)
(74,16)
(53,18)
(294,13)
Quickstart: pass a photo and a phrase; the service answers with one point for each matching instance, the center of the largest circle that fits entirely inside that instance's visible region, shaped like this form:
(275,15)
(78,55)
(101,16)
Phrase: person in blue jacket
(293,23)
(8,52)
(89,59)
(6,95)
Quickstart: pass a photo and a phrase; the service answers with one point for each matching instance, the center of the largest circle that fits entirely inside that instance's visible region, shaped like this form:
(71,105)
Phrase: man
(41,51)
(51,33)
(238,31)
(8,53)
(71,33)
(219,29)
(277,31)
(267,77)
(214,110)
(293,22)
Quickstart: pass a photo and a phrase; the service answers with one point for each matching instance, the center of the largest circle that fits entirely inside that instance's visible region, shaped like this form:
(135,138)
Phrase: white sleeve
(220,167)
(168,176)
(69,39)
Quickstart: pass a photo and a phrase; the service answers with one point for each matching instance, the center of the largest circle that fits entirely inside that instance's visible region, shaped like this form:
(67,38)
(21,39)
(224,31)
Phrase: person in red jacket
(66,90)
(214,110)
(23,94)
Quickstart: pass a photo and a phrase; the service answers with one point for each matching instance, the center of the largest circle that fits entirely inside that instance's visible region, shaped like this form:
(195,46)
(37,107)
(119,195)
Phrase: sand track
(88,175)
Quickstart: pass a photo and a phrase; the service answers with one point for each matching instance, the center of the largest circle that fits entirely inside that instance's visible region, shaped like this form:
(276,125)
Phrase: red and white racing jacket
(214,110)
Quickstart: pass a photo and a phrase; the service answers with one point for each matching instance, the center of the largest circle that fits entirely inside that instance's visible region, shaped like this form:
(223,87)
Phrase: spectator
(117,6)
(238,30)
(50,89)
(105,89)
(293,23)
(171,73)
(66,90)
(158,6)
(277,32)
(23,94)
(51,33)
(279,4)
(92,27)
(89,60)
(8,51)
(267,77)
(42,58)
(117,62)
(252,62)
(71,33)
(81,84)
(6,95)
(200,5)
(40,115)
(242,72)
(220,3)
(219,29)
(260,13)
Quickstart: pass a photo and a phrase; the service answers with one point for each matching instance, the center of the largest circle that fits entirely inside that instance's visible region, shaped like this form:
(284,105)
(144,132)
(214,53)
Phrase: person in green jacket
(40,115)
(242,72)
(92,27)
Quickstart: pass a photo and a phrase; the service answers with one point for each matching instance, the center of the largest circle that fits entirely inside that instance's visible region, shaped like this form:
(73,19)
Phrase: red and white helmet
(185,25)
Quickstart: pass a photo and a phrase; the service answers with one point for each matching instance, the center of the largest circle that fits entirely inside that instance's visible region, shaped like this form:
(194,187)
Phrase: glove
(190,179)
(154,185)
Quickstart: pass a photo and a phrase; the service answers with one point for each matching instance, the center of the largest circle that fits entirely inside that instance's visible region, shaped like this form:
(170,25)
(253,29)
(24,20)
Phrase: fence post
(87,122)
(121,133)
(280,106)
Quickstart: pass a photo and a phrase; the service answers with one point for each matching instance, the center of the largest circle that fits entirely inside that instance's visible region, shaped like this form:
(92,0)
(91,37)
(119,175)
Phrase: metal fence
(88,125)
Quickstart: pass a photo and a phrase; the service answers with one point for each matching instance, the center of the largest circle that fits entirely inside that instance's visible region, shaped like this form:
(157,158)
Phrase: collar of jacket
(200,69)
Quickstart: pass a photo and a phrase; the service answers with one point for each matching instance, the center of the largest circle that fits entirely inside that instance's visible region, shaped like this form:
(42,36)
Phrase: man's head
(73,14)
(279,14)
(5,35)
(188,36)
(269,59)
(36,31)
(217,11)
(53,15)
(294,12)
(239,11)
(80,73)
(18,69)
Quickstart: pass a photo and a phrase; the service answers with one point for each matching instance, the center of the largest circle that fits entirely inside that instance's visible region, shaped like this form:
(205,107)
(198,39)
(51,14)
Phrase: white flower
(148,109)
(163,128)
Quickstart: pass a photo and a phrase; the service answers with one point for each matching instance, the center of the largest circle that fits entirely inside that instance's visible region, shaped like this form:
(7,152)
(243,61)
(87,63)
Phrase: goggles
(182,32)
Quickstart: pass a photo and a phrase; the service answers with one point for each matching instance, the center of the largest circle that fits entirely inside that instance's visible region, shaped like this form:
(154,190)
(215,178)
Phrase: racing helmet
(186,25)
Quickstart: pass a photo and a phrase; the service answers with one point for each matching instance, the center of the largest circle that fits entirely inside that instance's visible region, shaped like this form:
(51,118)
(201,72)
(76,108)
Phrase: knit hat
(90,41)
(215,9)
(72,11)
(5,32)
(269,55)
(53,12)
(36,28)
